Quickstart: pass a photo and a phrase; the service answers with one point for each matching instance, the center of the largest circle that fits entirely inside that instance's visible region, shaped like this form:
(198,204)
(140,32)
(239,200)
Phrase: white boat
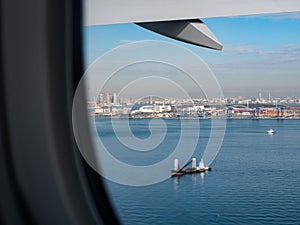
(271,131)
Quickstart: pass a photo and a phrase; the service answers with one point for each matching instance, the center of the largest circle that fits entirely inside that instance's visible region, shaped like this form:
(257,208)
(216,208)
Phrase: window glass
(231,117)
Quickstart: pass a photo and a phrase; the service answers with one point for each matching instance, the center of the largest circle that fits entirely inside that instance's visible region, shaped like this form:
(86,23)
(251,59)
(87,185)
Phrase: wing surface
(100,12)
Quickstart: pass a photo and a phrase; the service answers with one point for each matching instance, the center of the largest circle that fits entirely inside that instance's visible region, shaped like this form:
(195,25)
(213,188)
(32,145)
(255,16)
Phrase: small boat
(271,131)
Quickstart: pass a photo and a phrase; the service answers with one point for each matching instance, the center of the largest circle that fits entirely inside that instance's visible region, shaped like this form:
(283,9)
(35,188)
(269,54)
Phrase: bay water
(255,178)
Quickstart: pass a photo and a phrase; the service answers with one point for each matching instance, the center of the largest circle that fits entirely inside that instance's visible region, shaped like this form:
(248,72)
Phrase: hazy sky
(260,53)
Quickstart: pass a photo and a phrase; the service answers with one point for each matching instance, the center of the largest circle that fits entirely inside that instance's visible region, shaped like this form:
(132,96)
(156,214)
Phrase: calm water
(255,177)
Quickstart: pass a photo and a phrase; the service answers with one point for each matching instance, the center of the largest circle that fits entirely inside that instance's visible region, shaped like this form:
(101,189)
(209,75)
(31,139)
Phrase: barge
(194,169)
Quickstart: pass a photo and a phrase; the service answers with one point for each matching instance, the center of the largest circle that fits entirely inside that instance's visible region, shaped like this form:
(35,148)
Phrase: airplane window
(183,133)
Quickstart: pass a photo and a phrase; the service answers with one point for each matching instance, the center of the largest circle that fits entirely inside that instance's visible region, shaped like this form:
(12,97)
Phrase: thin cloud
(284,60)
(285,53)
(241,49)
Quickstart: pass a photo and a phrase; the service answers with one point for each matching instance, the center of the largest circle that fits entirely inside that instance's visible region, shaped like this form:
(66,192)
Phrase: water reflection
(176,182)
(202,175)
(195,177)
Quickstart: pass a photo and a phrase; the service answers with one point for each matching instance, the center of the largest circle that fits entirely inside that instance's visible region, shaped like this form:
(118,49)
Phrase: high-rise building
(150,99)
(108,100)
(115,98)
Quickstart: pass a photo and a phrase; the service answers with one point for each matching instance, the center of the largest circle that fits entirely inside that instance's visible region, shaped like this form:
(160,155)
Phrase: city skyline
(112,105)
(106,98)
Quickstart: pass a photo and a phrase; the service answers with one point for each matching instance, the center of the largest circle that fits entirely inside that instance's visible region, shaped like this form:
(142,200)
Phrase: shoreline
(196,118)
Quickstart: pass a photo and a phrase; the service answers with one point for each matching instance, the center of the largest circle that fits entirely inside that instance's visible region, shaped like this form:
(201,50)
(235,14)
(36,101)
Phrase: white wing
(180,15)
(98,12)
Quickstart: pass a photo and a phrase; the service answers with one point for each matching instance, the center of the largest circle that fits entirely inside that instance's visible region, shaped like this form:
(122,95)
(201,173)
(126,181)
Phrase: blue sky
(260,52)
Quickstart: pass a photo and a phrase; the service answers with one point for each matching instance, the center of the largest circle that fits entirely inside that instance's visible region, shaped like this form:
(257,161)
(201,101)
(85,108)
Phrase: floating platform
(178,172)
(189,170)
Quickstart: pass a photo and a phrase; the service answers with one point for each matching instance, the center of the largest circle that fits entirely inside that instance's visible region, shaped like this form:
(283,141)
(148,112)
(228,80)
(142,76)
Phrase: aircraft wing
(180,14)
